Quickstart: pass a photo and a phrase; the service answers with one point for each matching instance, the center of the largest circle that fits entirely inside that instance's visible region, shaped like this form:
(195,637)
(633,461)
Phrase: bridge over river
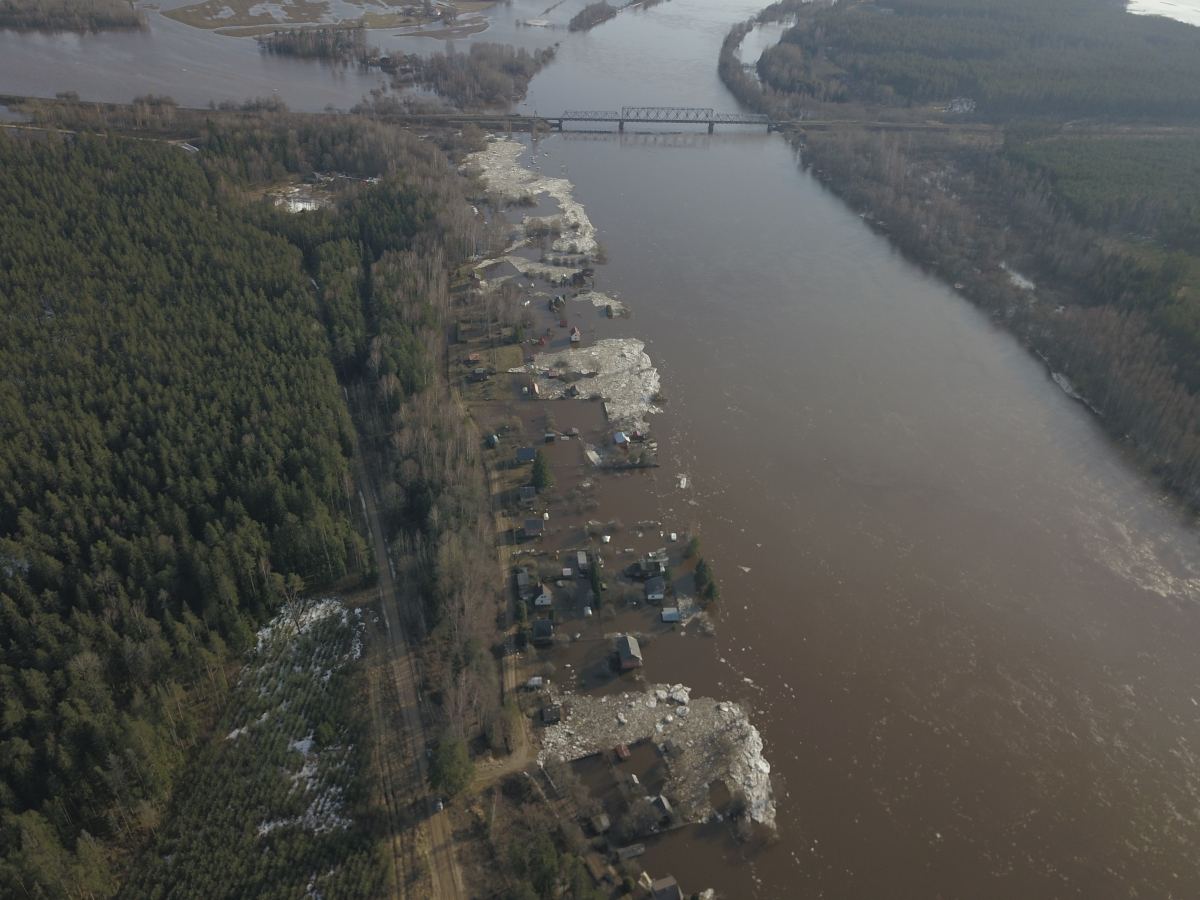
(674,115)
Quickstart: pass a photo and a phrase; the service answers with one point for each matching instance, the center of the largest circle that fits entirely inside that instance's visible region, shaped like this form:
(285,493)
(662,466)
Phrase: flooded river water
(970,626)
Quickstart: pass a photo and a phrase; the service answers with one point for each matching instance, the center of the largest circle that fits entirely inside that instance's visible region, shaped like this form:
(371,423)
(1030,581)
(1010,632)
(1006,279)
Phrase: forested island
(1061,140)
(487,76)
(69,15)
(591,16)
(319,43)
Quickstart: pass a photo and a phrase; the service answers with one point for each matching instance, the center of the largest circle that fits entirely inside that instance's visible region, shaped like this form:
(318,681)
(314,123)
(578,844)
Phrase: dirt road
(447,879)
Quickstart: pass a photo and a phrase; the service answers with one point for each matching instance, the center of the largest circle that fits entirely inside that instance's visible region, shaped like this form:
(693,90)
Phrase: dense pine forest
(175,451)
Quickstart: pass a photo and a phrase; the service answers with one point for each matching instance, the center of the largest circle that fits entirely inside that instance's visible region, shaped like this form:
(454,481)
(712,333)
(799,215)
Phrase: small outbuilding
(665,889)
(480,374)
(656,588)
(600,823)
(551,715)
(581,561)
(670,614)
(629,651)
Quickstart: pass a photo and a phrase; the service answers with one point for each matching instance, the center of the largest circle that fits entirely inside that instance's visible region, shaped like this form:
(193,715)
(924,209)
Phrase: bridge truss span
(662,115)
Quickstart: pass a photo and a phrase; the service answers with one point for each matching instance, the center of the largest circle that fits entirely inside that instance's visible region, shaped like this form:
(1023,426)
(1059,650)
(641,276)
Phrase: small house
(493,441)
(665,889)
(524,585)
(662,805)
(526,454)
(656,588)
(576,337)
(629,651)
(622,752)
(670,614)
(551,715)
(535,682)
(578,279)
(480,374)
(543,631)
(600,823)
(551,437)
(544,599)
(528,493)
(535,527)
(621,439)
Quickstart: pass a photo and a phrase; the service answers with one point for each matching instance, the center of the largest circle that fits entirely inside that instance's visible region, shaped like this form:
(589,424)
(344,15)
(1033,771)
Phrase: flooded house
(629,651)
(544,598)
(656,588)
(543,631)
(527,493)
(665,889)
(525,586)
(535,527)
(526,454)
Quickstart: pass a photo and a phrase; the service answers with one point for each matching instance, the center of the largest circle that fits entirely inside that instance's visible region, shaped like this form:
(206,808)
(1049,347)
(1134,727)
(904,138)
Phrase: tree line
(319,43)
(69,15)
(1014,58)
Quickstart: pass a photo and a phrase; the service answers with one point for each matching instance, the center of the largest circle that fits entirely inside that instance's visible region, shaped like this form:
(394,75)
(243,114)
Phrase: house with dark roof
(528,493)
(656,588)
(543,631)
(526,454)
(535,527)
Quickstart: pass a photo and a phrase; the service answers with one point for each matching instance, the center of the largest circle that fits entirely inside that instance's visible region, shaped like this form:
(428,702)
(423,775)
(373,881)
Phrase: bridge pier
(710,127)
(621,125)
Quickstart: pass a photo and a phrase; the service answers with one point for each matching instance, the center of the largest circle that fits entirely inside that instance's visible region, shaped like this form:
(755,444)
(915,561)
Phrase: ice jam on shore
(712,741)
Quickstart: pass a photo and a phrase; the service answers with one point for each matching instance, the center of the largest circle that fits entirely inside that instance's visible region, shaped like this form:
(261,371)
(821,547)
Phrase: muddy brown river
(967,626)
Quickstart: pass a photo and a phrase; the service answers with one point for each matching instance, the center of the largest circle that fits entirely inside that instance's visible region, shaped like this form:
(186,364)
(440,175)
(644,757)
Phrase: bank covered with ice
(703,741)
(616,370)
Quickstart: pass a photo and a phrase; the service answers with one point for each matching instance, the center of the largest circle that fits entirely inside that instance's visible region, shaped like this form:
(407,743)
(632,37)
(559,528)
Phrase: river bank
(956,206)
(575,597)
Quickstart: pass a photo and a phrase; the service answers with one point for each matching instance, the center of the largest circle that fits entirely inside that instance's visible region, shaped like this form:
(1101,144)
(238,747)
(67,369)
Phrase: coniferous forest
(175,464)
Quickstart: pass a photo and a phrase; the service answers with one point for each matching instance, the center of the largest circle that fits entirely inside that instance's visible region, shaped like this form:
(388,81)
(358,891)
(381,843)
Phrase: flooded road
(970,627)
